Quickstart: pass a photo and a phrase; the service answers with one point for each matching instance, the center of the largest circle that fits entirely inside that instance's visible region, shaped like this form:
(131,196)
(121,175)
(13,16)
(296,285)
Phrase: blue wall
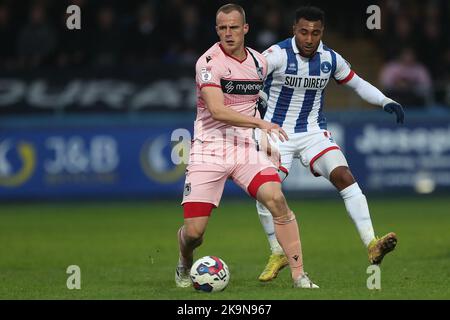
(131,155)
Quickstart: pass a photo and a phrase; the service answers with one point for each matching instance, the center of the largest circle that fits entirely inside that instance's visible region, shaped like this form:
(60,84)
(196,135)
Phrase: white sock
(357,208)
(267,222)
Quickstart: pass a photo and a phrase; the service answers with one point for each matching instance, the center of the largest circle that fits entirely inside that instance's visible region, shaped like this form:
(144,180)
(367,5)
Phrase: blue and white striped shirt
(295,85)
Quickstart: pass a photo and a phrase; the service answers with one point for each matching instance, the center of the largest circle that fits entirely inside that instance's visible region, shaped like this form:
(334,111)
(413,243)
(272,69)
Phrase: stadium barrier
(103,156)
(127,89)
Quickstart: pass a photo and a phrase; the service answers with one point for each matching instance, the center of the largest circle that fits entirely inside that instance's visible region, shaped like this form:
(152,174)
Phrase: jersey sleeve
(343,73)
(209,72)
(266,66)
(274,58)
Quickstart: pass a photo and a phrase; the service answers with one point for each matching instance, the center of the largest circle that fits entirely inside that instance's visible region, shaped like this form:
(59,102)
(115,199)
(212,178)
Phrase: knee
(193,233)
(342,177)
(275,201)
(278,198)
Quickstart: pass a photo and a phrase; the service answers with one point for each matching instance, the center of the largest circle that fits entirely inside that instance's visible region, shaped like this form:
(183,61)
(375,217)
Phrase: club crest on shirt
(325,67)
(187,189)
(292,67)
(205,74)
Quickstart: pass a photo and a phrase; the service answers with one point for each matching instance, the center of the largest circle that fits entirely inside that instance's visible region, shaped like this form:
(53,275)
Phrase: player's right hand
(273,130)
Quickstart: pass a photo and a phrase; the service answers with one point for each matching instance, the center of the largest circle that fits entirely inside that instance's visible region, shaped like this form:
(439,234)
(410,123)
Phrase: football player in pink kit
(229,77)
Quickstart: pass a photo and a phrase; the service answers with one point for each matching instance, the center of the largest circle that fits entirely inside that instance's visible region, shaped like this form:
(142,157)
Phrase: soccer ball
(210,274)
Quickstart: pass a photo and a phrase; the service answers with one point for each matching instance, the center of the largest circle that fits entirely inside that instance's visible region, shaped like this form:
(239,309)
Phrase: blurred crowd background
(91,113)
(409,57)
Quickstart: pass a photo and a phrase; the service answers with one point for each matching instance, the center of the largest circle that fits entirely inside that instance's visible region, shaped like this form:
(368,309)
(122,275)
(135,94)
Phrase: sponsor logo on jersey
(241,87)
(305,82)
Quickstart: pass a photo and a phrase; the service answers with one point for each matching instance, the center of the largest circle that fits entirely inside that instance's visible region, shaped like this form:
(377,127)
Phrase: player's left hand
(393,107)
(270,147)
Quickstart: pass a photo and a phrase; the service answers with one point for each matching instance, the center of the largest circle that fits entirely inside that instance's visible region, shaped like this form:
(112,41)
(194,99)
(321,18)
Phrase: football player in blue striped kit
(299,69)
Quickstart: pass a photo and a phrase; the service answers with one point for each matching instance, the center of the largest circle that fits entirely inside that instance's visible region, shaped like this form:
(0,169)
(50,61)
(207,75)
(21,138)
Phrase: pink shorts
(247,167)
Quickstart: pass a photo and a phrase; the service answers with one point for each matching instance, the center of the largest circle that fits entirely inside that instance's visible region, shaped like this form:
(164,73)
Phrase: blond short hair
(227,8)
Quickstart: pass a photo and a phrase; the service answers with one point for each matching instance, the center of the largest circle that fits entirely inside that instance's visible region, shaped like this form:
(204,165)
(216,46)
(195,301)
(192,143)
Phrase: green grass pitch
(128,250)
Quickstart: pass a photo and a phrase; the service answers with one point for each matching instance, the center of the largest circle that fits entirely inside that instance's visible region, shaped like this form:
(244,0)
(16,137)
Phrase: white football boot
(182,277)
(304,282)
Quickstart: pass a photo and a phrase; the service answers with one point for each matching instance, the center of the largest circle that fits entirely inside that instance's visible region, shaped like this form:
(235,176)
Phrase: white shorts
(308,147)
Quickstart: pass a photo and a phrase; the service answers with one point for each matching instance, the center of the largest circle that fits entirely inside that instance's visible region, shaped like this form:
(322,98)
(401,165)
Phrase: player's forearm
(234,118)
(214,100)
(367,91)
